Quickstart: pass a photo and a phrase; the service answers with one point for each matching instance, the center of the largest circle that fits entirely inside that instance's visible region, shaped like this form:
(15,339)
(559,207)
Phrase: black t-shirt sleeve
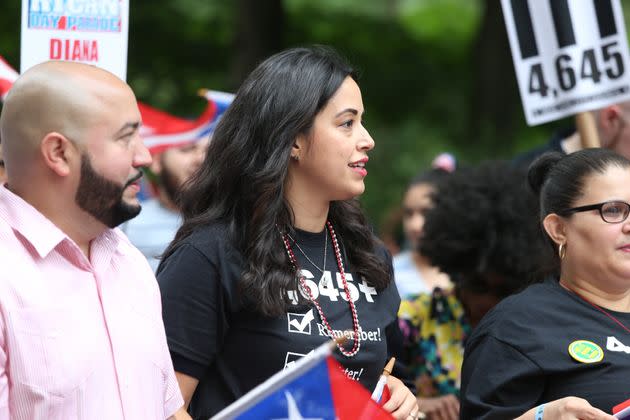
(192,308)
(498,381)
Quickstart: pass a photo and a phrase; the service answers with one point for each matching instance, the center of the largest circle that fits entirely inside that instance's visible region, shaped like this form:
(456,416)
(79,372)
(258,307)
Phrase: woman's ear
(58,153)
(299,146)
(555,227)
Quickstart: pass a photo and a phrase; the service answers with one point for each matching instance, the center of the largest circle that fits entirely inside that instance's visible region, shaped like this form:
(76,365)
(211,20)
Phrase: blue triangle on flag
(308,397)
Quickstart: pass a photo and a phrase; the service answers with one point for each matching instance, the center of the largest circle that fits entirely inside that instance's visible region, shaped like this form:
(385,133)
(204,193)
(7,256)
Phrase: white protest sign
(88,31)
(570,56)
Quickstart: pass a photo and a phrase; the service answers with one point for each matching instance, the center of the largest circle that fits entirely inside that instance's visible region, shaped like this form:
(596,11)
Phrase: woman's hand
(402,404)
(445,407)
(569,408)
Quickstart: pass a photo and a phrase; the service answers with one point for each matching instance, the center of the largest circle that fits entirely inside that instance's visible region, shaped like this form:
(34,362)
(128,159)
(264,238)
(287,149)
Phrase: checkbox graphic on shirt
(300,323)
(292,357)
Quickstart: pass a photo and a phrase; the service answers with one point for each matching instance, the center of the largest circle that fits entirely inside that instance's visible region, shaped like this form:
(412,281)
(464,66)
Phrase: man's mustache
(134,179)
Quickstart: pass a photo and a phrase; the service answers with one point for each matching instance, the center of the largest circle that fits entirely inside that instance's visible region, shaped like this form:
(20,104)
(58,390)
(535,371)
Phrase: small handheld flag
(315,387)
(377,394)
(622,411)
(8,75)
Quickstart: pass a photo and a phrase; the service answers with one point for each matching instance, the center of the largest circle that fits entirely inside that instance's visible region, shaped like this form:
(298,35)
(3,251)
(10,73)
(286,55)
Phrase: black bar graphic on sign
(562,22)
(605,18)
(524,28)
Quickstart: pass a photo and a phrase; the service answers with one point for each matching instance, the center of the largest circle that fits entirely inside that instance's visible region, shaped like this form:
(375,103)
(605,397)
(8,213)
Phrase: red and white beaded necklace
(355,318)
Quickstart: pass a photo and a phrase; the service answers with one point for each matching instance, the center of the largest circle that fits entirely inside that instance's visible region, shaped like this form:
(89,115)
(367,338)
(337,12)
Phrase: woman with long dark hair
(275,256)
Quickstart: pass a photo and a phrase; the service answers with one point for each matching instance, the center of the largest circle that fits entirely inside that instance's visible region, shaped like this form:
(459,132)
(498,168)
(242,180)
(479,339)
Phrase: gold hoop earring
(562,251)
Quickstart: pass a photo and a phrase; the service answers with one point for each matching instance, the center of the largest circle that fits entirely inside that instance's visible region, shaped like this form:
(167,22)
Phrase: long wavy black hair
(241,182)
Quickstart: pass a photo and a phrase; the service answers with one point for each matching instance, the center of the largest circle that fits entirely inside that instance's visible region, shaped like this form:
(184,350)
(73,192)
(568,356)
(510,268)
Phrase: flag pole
(585,123)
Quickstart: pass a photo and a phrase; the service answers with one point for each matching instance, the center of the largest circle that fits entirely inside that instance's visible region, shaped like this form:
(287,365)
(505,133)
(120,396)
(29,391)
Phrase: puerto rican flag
(8,75)
(622,411)
(314,388)
(159,129)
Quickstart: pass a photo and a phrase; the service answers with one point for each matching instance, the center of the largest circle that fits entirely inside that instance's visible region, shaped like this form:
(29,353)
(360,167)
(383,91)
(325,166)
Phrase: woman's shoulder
(213,240)
(207,254)
(521,313)
(209,233)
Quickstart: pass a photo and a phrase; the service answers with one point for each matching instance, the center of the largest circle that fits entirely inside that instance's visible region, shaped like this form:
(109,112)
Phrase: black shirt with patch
(518,356)
(230,349)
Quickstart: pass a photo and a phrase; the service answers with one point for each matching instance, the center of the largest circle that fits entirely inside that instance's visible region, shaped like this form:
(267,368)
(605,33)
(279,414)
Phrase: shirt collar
(36,228)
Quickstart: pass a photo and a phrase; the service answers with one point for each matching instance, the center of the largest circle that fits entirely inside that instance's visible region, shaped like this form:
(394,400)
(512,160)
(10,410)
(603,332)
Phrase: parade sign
(88,31)
(570,56)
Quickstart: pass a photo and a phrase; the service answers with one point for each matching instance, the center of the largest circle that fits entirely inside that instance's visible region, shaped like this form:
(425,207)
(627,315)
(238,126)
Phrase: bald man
(81,335)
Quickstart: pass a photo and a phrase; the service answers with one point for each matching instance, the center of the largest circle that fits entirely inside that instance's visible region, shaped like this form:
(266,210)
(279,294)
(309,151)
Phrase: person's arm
(181,414)
(187,384)
(568,408)
(402,404)
(191,309)
(498,380)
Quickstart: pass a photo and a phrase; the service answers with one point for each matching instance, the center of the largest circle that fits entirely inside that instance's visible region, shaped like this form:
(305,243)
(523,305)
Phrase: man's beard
(102,198)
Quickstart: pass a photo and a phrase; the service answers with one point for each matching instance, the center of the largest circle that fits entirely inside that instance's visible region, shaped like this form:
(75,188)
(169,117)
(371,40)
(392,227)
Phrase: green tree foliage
(430,70)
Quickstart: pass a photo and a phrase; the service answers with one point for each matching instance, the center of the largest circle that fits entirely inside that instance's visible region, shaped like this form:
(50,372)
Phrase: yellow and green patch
(585,351)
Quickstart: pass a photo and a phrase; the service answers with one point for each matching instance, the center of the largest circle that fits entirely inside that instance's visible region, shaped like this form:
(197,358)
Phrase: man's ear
(58,153)
(555,227)
(610,121)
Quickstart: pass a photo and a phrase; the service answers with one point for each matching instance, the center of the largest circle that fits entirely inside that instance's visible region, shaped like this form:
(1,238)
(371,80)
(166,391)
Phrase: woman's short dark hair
(483,230)
(559,179)
(241,181)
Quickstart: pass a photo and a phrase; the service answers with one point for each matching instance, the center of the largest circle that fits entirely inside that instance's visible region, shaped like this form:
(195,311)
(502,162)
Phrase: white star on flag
(294,412)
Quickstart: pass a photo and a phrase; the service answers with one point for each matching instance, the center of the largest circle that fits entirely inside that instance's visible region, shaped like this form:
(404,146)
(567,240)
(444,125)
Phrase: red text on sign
(73,49)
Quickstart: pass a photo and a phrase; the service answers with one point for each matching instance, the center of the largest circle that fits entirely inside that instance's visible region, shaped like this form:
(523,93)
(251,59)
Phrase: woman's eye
(348,124)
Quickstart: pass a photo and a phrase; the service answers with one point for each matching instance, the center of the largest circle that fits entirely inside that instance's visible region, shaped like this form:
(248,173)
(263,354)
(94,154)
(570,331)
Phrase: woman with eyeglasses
(561,349)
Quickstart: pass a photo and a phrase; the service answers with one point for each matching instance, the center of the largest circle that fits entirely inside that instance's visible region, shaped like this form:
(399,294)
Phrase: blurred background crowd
(436,75)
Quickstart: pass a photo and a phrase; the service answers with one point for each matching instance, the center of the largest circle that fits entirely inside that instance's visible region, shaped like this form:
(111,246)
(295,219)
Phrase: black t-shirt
(230,349)
(518,356)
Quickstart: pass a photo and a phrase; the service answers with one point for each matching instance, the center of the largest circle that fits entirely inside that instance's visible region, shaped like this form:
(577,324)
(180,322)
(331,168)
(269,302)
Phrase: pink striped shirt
(79,339)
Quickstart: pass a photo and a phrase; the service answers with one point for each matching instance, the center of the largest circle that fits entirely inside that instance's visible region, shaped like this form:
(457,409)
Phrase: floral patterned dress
(434,329)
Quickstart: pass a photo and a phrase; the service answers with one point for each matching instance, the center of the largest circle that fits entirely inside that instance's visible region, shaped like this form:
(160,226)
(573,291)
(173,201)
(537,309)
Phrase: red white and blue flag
(8,75)
(314,388)
(159,129)
(622,411)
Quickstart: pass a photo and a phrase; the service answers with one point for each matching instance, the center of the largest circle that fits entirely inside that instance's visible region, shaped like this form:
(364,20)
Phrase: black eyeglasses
(610,211)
